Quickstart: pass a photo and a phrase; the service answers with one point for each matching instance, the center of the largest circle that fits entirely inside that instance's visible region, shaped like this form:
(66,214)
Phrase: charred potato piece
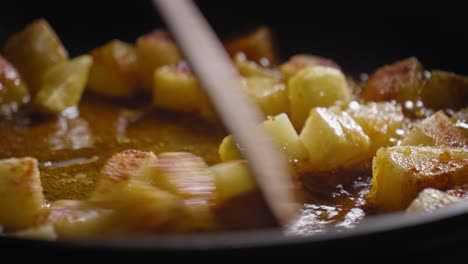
(177,89)
(399,173)
(301,61)
(333,140)
(114,72)
(63,84)
(187,176)
(400,81)
(34,50)
(445,90)
(138,206)
(21,198)
(269,94)
(73,219)
(436,130)
(154,50)
(13,92)
(382,122)
(256,45)
(313,87)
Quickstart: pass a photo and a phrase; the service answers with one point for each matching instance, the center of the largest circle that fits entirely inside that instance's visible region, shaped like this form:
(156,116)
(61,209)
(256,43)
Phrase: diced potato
(282,131)
(80,219)
(445,90)
(232,179)
(460,119)
(333,140)
(41,232)
(269,94)
(256,45)
(400,81)
(436,130)
(430,200)
(154,50)
(21,198)
(177,89)
(382,122)
(138,206)
(187,176)
(283,134)
(300,61)
(34,50)
(315,86)
(13,92)
(229,149)
(248,68)
(399,173)
(114,72)
(63,84)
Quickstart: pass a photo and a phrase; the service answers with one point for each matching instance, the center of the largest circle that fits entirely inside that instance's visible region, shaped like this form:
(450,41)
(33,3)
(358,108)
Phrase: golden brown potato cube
(445,90)
(80,219)
(269,94)
(187,176)
(138,206)
(34,50)
(13,92)
(177,89)
(333,140)
(300,61)
(63,84)
(233,178)
(248,68)
(229,149)
(400,81)
(256,45)
(21,198)
(154,50)
(399,173)
(114,72)
(381,121)
(315,86)
(436,130)
(430,199)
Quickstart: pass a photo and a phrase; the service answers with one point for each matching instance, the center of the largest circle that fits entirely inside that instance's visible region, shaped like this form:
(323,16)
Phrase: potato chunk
(399,173)
(301,61)
(333,140)
(42,232)
(80,219)
(154,50)
(13,90)
(187,176)
(313,87)
(400,81)
(248,68)
(177,89)
(436,130)
(21,198)
(445,90)
(34,50)
(138,206)
(256,45)
(283,134)
(63,84)
(269,94)
(430,200)
(232,179)
(114,70)
(381,121)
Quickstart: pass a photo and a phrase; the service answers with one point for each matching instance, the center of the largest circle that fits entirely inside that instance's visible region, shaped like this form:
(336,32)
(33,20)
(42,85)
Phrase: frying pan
(358,37)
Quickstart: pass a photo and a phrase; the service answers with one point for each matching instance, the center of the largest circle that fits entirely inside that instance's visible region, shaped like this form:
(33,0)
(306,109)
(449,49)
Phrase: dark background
(359,36)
